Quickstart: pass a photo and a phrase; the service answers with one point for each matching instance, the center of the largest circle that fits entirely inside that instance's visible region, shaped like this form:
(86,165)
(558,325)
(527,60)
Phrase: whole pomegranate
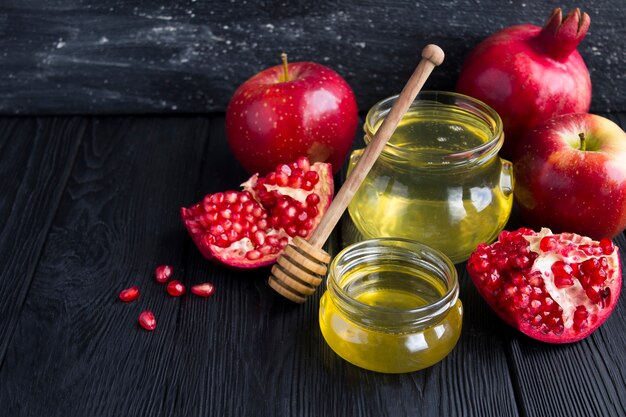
(249,228)
(529,74)
(555,288)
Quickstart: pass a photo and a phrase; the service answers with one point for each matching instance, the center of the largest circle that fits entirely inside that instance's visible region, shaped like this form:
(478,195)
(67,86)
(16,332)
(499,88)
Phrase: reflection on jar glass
(439,180)
(391,305)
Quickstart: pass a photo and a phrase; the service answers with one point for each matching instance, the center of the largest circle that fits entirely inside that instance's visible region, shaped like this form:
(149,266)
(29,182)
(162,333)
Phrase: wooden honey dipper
(303,264)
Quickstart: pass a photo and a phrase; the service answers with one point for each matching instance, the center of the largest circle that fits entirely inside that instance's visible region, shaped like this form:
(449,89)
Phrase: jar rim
(387,318)
(432,98)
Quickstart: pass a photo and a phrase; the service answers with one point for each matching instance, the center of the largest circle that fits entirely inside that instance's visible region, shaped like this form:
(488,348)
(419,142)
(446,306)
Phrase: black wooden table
(90,205)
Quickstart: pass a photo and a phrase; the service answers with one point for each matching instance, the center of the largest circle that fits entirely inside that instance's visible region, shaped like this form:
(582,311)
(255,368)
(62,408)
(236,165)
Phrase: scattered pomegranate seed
(203,290)
(175,288)
(129,294)
(163,273)
(147,320)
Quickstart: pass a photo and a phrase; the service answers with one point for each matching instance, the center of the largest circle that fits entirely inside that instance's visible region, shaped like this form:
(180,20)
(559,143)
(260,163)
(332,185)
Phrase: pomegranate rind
(568,298)
(234,256)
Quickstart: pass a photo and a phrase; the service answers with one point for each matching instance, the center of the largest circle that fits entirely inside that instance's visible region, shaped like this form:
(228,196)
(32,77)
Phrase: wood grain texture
(36,156)
(116,56)
(77,349)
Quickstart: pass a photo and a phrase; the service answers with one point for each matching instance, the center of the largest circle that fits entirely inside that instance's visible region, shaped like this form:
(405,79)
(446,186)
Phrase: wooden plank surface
(36,157)
(112,56)
(76,350)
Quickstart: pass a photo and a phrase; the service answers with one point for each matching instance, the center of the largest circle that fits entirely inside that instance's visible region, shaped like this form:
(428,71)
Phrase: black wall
(122,56)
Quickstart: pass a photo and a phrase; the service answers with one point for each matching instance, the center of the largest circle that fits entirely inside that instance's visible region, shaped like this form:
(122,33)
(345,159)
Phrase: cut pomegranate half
(555,288)
(249,228)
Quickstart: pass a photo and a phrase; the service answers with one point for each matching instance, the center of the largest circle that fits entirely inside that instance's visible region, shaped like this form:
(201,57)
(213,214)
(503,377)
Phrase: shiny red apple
(570,175)
(291,110)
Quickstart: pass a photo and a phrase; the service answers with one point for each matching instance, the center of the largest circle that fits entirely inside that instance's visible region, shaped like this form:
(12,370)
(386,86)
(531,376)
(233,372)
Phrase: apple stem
(583,141)
(283,56)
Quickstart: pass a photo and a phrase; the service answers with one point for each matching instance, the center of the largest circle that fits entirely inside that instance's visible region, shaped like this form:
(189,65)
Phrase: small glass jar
(439,179)
(391,305)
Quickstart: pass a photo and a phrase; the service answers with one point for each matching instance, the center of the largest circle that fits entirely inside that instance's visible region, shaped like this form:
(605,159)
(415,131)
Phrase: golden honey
(439,180)
(391,306)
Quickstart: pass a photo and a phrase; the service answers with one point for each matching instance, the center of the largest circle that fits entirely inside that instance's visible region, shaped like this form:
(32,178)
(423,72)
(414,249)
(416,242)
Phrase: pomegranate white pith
(555,288)
(249,228)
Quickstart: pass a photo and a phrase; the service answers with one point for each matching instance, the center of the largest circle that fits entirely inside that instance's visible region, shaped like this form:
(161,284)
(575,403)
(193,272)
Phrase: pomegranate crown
(560,37)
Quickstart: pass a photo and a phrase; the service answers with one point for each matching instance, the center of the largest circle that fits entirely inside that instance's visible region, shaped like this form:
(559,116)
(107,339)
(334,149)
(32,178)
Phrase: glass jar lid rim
(441,305)
(430,97)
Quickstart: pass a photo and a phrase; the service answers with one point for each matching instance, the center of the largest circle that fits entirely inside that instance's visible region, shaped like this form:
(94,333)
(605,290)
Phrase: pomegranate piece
(163,273)
(147,320)
(249,228)
(203,290)
(555,288)
(129,294)
(175,288)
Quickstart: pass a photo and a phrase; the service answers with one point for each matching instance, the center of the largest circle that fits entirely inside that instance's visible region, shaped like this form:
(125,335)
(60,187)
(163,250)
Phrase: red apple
(288,111)
(570,175)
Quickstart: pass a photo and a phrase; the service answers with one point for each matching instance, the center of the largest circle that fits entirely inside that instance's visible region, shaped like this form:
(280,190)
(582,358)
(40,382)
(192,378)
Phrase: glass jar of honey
(439,179)
(391,305)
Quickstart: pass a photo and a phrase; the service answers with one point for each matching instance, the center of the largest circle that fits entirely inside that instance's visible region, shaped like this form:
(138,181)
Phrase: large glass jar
(439,180)
(391,305)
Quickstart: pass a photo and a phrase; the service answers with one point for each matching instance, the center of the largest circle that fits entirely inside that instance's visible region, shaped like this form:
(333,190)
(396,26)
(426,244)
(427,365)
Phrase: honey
(391,306)
(439,180)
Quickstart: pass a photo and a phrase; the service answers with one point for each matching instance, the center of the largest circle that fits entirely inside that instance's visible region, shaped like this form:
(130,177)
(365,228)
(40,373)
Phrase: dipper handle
(303,264)
(432,56)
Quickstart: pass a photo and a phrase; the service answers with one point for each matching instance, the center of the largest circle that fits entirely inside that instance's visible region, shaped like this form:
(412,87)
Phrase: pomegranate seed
(245,197)
(217,198)
(607,246)
(580,318)
(175,288)
(253,255)
(313,199)
(129,294)
(291,212)
(312,177)
(284,169)
(203,290)
(562,274)
(548,243)
(231,196)
(303,163)
(295,182)
(163,273)
(271,178)
(282,179)
(147,320)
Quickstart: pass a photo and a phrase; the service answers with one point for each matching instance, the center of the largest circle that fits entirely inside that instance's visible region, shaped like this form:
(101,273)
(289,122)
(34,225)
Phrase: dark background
(188,56)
